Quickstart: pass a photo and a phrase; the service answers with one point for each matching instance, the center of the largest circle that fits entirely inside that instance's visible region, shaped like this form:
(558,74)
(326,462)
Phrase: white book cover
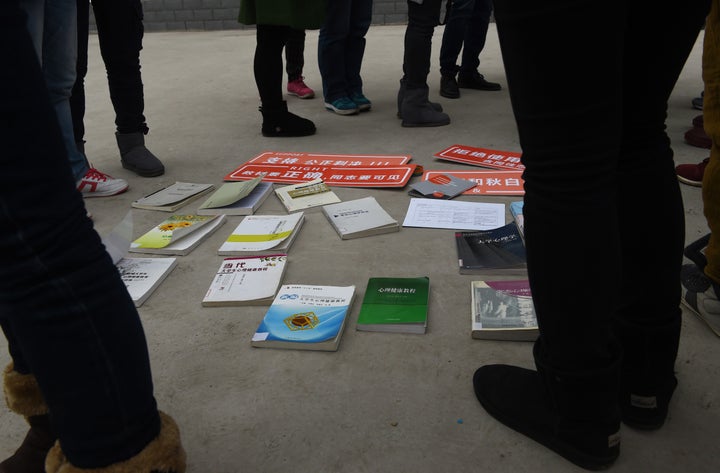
(143,275)
(260,234)
(186,243)
(248,280)
(171,198)
(306,195)
(358,218)
(454,215)
(246,205)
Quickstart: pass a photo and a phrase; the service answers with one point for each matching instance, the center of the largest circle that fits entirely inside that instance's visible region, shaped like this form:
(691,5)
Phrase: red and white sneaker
(298,88)
(97,184)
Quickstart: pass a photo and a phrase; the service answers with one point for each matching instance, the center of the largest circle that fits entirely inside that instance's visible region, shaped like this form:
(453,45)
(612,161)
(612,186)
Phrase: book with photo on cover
(237,198)
(306,195)
(305,317)
(497,251)
(171,198)
(397,305)
(246,280)
(263,235)
(503,310)
(359,218)
(177,235)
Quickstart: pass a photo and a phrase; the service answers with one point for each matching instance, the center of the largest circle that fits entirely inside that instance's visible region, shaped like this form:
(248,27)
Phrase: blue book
(305,317)
(516,209)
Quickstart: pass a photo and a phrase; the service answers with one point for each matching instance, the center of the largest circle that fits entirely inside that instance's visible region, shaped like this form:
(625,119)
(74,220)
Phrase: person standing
(294,64)
(341,47)
(466,29)
(593,146)
(120,33)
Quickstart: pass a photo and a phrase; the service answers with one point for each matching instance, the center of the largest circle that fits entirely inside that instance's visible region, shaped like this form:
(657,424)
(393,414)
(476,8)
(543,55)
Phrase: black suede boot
(136,157)
(647,375)
(417,111)
(23,397)
(401,95)
(575,414)
(449,86)
(279,122)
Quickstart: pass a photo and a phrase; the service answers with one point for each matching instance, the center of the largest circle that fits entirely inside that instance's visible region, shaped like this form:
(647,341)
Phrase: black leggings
(268,63)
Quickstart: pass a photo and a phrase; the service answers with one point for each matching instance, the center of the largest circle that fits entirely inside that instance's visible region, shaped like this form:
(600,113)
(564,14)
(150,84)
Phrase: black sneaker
(449,87)
(476,81)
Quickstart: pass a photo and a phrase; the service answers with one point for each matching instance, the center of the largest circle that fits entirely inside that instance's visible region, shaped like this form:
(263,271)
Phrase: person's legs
(360,19)
(332,57)
(295,54)
(71,316)
(475,35)
(454,35)
(77,98)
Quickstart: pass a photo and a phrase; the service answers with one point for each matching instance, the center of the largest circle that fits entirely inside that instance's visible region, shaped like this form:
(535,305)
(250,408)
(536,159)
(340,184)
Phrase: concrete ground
(383,402)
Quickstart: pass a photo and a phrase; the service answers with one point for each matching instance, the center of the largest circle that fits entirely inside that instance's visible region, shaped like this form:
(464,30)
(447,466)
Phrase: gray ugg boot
(401,96)
(136,157)
(417,111)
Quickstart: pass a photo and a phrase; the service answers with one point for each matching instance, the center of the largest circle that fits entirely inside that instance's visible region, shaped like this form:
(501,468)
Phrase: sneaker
(692,174)
(476,81)
(697,102)
(342,106)
(362,102)
(298,88)
(97,184)
(701,295)
(449,86)
(697,137)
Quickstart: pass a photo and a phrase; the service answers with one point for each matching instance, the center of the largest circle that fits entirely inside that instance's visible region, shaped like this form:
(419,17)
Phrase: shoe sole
(425,125)
(306,96)
(689,182)
(104,194)
(487,89)
(700,316)
(141,173)
(449,96)
(340,111)
(364,108)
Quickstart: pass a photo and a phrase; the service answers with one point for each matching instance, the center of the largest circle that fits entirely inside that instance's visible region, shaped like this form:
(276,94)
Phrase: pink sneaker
(97,184)
(298,88)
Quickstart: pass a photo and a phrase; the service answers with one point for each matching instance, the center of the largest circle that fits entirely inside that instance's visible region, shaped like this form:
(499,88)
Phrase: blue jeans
(53,28)
(67,315)
(600,183)
(466,29)
(341,46)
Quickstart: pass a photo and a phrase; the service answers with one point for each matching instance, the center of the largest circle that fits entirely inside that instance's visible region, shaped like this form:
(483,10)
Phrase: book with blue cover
(305,317)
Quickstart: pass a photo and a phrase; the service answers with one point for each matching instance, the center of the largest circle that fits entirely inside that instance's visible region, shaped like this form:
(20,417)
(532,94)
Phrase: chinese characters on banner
(487,182)
(489,158)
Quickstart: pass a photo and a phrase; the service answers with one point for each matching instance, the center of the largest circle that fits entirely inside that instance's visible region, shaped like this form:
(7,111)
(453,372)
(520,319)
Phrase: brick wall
(188,15)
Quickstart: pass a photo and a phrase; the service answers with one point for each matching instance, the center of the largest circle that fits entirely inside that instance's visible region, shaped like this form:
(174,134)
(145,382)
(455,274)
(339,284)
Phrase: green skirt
(300,14)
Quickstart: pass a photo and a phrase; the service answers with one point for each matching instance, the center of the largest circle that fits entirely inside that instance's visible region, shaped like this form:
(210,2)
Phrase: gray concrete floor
(383,402)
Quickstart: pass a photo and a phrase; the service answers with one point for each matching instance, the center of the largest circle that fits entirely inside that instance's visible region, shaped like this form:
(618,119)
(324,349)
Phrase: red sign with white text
(342,160)
(490,182)
(489,158)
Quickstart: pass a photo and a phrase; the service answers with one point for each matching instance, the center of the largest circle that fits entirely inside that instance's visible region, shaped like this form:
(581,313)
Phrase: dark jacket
(300,14)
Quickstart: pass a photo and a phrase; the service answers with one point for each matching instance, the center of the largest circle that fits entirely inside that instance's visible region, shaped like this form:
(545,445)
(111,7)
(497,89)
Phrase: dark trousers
(120,32)
(604,221)
(466,28)
(422,20)
(341,47)
(65,310)
(295,54)
(267,64)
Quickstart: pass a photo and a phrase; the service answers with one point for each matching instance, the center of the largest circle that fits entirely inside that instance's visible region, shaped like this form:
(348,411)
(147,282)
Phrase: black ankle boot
(475,80)
(278,122)
(401,95)
(449,86)
(574,414)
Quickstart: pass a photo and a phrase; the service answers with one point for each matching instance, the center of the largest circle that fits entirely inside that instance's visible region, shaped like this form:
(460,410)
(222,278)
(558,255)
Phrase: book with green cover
(397,305)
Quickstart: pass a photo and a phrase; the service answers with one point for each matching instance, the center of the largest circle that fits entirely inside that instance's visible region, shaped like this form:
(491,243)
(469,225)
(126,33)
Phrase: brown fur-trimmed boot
(23,397)
(164,454)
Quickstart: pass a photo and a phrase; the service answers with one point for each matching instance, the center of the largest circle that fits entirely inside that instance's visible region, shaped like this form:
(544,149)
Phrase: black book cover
(482,251)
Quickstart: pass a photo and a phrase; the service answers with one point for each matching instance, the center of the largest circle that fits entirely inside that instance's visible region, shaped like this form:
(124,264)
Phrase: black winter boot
(449,86)
(136,157)
(23,397)
(575,414)
(647,375)
(417,111)
(279,122)
(401,95)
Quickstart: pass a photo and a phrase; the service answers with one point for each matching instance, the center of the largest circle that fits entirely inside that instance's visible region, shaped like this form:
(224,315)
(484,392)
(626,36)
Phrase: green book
(397,305)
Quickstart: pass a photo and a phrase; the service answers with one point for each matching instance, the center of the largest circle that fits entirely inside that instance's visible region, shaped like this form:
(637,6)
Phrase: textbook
(499,251)
(143,275)
(516,209)
(263,235)
(306,195)
(305,317)
(359,218)
(441,186)
(248,280)
(237,198)
(177,235)
(397,305)
(171,198)
(503,310)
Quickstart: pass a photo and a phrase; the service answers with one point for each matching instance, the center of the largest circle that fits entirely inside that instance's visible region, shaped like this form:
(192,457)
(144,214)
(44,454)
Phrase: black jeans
(422,20)
(604,220)
(120,33)
(267,63)
(295,54)
(69,319)
(466,30)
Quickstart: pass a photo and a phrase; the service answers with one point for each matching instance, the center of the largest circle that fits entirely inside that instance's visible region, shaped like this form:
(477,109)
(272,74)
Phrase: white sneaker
(97,184)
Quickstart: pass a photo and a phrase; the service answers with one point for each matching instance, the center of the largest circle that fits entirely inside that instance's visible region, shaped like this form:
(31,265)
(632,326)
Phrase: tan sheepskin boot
(23,397)
(164,454)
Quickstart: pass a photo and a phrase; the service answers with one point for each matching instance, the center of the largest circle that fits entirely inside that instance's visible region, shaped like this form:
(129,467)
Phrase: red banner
(489,158)
(490,182)
(329,160)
